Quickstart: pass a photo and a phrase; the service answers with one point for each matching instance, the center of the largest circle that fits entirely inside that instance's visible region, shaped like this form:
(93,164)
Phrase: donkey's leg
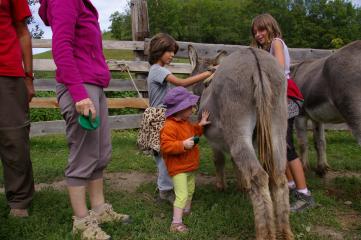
(301,131)
(355,125)
(279,192)
(350,108)
(240,184)
(356,131)
(219,162)
(255,180)
(320,146)
(279,188)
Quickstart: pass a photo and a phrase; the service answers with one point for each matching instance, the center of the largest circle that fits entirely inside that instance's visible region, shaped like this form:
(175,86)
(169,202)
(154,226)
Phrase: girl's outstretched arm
(189,80)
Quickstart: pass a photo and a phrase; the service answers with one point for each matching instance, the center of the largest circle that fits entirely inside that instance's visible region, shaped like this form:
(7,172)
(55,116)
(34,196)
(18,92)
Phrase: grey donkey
(247,94)
(331,87)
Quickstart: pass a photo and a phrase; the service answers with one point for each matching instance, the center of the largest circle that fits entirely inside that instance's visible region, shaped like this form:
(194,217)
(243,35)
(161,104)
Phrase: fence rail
(51,102)
(136,67)
(130,121)
(107,44)
(117,65)
(114,85)
(122,122)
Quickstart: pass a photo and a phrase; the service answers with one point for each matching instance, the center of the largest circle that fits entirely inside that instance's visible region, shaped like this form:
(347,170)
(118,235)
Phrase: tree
(304,23)
(121,26)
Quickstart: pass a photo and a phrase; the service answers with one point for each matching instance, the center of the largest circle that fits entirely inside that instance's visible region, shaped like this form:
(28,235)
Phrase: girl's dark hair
(265,22)
(160,44)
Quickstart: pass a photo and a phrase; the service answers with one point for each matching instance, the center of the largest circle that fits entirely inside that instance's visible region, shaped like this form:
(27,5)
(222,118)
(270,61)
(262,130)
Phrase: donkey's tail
(263,95)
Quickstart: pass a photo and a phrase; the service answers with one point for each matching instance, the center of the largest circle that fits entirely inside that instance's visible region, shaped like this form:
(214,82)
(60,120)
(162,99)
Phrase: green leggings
(184,185)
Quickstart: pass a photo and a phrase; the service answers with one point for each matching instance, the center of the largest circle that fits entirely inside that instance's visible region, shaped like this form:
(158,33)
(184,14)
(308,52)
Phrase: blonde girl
(267,35)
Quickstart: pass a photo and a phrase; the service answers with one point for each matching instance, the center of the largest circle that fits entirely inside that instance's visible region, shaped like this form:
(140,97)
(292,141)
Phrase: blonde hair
(265,22)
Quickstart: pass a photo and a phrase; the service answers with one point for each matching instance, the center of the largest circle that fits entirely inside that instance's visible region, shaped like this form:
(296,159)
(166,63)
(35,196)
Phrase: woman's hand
(84,106)
(204,121)
(188,143)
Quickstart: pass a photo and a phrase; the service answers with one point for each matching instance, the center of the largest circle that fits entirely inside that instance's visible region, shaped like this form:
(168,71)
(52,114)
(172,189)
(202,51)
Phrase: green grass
(347,189)
(215,215)
(347,157)
(43,55)
(49,155)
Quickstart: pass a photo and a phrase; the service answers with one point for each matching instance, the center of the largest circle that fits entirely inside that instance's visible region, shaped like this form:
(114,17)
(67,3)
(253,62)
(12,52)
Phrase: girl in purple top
(82,73)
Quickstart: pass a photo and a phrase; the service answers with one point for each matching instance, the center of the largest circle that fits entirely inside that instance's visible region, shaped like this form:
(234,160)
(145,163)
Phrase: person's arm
(278,52)
(188,81)
(26,49)
(64,16)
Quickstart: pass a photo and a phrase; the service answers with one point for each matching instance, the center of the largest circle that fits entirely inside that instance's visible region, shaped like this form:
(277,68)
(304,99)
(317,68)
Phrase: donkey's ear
(193,56)
(220,56)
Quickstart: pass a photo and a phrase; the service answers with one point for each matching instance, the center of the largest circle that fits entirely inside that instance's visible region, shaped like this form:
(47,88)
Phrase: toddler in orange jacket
(180,152)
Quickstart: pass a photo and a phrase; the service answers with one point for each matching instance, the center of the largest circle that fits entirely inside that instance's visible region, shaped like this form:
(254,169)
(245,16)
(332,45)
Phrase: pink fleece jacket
(76,44)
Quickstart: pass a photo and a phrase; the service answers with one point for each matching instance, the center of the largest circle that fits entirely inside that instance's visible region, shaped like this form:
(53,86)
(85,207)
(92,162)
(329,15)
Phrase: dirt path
(130,181)
(333,174)
(122,181)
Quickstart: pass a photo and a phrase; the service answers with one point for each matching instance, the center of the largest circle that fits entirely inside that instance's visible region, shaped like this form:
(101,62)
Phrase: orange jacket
(172,135)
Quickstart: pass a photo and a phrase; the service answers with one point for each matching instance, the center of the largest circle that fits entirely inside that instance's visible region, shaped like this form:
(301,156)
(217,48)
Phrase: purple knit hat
(178,99)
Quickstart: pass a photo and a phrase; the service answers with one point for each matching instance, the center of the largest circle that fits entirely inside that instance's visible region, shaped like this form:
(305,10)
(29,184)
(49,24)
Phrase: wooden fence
(136,66)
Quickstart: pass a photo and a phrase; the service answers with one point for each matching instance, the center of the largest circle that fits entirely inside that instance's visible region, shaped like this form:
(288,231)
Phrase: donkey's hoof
(286,234)
(221,187)
(321,171)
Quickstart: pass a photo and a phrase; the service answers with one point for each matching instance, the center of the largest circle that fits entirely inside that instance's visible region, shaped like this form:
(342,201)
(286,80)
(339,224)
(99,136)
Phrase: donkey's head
(200,65)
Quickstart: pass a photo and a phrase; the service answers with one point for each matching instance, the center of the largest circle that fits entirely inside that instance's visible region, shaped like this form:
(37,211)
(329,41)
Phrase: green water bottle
(196,139)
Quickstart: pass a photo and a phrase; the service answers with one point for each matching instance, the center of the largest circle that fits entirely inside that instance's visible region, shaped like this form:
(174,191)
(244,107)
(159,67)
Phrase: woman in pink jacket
(82,73)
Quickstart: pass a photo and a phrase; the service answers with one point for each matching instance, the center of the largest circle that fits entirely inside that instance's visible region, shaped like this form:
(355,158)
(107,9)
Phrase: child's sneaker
(107,214)
(178,227)
(19,213)
(302,202)
(89,229)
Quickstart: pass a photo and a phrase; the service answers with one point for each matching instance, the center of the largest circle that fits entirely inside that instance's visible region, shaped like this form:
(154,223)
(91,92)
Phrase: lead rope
(125,68)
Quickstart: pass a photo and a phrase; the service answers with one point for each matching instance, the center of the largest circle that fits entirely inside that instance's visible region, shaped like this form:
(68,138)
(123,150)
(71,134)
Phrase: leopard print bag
(149,132)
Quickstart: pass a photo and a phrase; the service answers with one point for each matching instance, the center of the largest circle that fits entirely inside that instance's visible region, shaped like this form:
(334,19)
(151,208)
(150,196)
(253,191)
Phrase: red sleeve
(169,143)
(198,129)
(20,10)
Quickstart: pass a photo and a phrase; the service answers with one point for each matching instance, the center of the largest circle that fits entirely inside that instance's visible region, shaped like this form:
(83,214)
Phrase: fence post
(140,30)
